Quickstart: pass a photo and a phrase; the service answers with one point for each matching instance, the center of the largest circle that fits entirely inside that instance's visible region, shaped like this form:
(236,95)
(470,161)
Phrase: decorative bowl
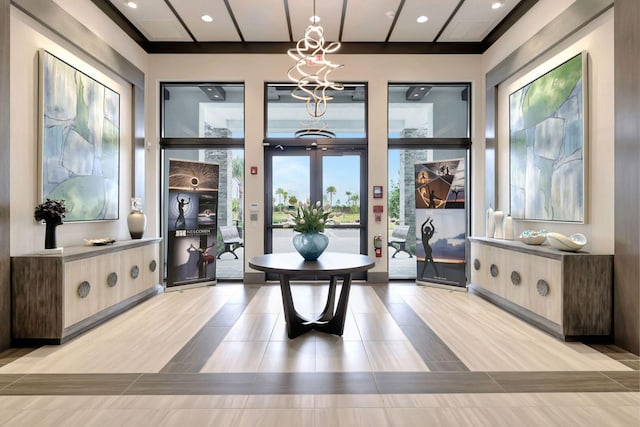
(573,243)
(99,242)
(533,237)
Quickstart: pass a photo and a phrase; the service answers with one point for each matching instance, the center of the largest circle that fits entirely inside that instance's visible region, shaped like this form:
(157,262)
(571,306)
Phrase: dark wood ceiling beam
(233,18)
(512,17)
(446,24)
(288,16)
(342,19)
(179,18)
(352,48)
(395,19)
(121,21)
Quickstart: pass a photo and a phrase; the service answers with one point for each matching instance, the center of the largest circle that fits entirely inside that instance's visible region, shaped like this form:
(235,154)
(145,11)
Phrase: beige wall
(255,70)
(27,236)
(597,40)
(535,19)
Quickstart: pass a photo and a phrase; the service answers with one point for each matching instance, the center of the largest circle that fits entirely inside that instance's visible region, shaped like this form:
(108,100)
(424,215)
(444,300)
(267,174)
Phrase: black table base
(329,321)
(330,264)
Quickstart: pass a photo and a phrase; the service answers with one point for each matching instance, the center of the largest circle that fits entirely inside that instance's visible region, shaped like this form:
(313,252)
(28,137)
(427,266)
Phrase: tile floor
(410,355)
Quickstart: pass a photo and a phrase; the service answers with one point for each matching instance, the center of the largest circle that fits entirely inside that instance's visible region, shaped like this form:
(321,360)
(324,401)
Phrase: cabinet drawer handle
(494,270)
(112,279)
(135,271)
(83,289)
(542,287)
(153,265)
(476,264)
(515,278)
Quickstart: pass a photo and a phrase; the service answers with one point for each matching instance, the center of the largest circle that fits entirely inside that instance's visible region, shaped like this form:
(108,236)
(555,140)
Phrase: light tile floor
(485,338)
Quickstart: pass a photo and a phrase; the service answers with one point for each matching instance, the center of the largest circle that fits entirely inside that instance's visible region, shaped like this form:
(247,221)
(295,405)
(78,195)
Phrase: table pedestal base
(329,321)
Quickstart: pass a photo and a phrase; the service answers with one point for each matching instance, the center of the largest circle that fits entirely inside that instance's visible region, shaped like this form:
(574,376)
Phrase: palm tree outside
(331,190)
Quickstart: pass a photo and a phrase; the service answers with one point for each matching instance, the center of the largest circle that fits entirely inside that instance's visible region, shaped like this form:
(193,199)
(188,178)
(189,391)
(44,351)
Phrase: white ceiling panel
(154,19)
(474,20)
(407,29)
(369,20)
(221,29)
(329,12)
(239,25)
(263,20)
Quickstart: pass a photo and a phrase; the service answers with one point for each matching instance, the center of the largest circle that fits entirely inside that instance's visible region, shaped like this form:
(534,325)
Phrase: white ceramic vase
(490,224)
(136,220)
(498,218)
(507,227)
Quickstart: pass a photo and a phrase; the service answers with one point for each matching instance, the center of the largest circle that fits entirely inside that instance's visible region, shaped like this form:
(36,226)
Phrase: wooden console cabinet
(58,296)
(567,294)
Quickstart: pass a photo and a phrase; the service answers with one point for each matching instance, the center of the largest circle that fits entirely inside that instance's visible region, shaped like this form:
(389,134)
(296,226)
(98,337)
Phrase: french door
(333,175)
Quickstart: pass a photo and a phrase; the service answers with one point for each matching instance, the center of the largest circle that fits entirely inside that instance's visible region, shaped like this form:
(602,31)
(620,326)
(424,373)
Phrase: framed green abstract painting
(79,141)
(548,145)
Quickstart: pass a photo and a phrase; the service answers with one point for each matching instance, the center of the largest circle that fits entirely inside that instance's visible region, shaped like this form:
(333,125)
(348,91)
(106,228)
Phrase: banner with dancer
(441,222)
(192,222)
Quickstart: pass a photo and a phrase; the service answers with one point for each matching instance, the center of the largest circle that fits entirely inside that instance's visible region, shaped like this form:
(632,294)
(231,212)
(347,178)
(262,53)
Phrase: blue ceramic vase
(310,245)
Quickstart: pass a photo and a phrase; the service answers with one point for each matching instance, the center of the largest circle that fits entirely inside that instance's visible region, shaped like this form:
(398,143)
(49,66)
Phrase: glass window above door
(287,117)
(202,110)
(428,110)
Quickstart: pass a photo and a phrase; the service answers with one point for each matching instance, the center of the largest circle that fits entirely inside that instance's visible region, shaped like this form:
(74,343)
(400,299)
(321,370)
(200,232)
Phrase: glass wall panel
(402,201)
(230,200)
(202,110)
(287,117)
(427,110)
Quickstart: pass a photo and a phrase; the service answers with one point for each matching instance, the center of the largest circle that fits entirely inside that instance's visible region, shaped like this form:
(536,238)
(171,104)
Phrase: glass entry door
(335,176)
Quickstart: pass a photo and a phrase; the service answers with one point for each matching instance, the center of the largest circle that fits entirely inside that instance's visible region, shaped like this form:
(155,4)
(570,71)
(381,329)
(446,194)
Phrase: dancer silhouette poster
(441,222)
(192,209)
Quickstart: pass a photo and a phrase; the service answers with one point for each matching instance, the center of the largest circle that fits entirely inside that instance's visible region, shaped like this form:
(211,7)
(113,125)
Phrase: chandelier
(311,71)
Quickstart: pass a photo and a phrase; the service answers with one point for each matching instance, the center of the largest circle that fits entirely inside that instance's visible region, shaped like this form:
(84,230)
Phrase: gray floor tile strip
(435,353)
(299,383)
(193,356)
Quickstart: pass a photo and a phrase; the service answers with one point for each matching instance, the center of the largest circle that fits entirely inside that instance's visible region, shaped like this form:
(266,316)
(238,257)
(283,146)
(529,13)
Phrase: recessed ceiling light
(497,4)
(132,4)
(422,19)
(390,14)
(314,19)
(206,18)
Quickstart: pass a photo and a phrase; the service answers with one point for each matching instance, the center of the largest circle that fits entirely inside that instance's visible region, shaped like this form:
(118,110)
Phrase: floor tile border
(305,383)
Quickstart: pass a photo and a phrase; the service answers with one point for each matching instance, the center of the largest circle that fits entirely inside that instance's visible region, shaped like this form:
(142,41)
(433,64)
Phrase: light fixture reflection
(312,68)
(497,5)
(132,4)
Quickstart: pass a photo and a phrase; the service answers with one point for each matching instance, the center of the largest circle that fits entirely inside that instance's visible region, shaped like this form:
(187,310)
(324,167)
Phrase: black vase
(50,235)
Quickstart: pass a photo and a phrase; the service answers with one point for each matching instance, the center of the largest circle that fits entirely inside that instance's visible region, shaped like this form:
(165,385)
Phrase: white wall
(255,70)
(543,12)
(100,24)
(597,40)
(27,236)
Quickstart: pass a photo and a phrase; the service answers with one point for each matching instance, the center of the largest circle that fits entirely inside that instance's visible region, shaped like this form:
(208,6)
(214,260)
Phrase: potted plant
(51,211)
(309,221)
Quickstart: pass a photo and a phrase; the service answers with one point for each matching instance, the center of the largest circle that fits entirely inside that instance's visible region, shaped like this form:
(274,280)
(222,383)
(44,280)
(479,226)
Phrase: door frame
(316,148)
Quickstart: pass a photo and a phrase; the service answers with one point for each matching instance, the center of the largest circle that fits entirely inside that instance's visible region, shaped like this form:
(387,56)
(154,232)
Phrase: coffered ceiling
(362,26)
